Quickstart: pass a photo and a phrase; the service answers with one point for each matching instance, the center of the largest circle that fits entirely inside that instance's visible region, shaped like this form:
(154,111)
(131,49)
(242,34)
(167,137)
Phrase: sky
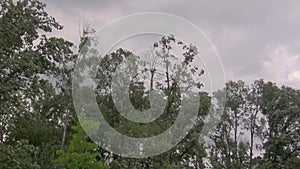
(255,39)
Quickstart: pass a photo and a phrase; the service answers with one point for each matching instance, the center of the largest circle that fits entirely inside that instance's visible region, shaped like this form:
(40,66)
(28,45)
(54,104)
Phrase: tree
(268,115)
(253,112)
(281,143)
(36,109)
(81,153)
(228,149)
(19,156)
(160,71)
(31,73)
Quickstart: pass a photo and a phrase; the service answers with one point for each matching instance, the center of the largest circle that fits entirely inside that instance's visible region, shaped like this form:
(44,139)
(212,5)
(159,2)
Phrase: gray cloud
(246,33)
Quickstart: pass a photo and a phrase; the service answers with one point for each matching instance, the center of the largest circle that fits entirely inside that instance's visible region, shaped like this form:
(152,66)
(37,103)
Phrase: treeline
(257,127)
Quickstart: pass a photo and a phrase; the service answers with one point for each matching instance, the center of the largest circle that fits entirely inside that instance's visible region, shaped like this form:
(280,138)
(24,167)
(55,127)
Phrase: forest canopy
(258,126)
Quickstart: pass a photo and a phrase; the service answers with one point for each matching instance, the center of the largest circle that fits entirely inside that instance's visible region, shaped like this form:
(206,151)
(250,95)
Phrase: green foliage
(29,59)
(36,109)
(228,150)
(269,115)
(31,104)
(189,151)
(19,156)
(81,152)
(281,108)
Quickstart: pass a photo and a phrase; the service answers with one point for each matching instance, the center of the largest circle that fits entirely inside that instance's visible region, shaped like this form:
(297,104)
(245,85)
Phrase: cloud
(281,66)
(245,33)
(295,76)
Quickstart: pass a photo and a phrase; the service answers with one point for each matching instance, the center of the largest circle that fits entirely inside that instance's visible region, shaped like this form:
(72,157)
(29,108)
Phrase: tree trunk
(251,143)
(152,71)
(64,136)
(235,138)
(65,130)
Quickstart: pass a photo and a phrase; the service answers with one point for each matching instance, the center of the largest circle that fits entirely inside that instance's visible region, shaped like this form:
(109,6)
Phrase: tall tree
(32,102)
(161,74)
(281,108)
(229,150)
(253,116)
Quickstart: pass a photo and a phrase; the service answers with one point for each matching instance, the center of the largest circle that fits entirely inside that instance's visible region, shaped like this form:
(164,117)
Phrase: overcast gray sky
(255,39)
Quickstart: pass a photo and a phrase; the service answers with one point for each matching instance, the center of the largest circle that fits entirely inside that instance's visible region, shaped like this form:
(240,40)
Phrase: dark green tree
(19,156)
(34,69)
(228,149)
(281,144)
(161,81)
(253,114)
